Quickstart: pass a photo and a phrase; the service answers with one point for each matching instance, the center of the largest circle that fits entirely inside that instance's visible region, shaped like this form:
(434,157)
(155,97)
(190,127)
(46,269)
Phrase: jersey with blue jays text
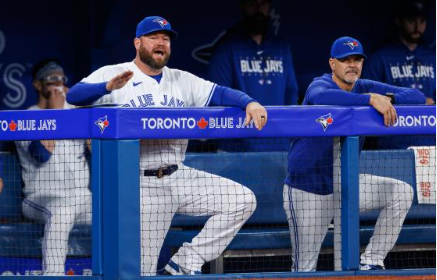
(176,89)
(265,72)
(66,170)
(397,65)
(310,160)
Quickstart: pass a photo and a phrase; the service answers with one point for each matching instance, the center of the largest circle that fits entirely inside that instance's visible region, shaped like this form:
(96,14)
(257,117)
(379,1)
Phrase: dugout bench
(266,232)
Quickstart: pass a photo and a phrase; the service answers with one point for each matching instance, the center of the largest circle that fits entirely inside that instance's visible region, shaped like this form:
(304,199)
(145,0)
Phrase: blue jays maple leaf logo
(161,21)
(352,44)
(325,121)
(102,123)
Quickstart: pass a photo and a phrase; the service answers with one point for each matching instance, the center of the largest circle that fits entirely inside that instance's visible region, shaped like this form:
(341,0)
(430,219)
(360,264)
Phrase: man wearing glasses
(55,174)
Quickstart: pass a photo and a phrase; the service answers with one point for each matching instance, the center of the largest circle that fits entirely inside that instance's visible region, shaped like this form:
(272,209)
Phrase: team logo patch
(102,123)
(352,44)
(325,121)
(161,21)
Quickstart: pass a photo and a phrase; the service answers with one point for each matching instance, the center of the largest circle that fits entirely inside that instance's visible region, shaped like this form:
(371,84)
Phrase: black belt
(162,171)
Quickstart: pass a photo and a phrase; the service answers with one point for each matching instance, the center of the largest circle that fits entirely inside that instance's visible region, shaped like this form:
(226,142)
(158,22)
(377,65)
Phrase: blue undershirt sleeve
(224,96)
(39,152)
(86,94)
(402,95)
(319,95)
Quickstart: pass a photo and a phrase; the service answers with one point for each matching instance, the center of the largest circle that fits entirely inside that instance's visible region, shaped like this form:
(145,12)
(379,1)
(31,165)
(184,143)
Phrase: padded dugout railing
(115,182)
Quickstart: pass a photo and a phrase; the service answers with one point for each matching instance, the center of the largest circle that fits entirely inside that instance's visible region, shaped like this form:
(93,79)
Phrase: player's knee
(403,194)
(407,194)
(249,202)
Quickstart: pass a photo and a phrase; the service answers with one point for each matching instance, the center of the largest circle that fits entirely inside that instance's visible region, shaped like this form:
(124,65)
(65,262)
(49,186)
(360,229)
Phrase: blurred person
(251,58)
(408,62)
(55,173)
(308,190)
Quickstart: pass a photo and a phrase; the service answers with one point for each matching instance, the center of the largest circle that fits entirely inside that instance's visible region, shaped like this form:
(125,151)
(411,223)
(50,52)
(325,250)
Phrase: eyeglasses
(54,79)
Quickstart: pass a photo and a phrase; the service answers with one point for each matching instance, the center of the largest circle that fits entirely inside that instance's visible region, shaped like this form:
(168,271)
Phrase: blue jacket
(310,160)
(265,72)
(397,65)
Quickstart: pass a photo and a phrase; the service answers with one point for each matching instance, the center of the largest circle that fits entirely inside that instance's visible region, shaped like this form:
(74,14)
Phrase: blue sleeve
(291,88)
(224,96)
(318,94)
(402,95)
(86,94)
(220,66)
(39,152)
(1,167)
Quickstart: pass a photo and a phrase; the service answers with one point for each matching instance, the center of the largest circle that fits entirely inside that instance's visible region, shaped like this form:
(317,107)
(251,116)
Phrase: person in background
(55,173)
(251,58)
(407,62)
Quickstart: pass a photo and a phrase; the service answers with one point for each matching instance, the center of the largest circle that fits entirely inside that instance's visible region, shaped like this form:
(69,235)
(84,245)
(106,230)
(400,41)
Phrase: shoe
(371,267)
(173,268)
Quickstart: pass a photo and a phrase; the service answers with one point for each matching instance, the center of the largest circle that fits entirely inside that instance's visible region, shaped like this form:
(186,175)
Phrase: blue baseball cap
(346,46)
(154,24)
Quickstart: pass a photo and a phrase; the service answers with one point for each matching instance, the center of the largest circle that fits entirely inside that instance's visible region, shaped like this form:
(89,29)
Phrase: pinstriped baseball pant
(309,216)
(58,214)
(195,193)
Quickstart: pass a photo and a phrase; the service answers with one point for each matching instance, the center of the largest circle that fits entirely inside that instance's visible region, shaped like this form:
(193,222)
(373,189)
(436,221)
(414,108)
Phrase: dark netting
(45,208)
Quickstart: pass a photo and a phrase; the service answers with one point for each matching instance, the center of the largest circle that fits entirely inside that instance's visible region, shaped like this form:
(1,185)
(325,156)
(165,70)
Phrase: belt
(162,171)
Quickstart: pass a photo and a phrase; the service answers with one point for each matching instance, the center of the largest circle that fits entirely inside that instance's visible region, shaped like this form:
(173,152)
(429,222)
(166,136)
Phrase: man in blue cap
(308,190)
(167,185)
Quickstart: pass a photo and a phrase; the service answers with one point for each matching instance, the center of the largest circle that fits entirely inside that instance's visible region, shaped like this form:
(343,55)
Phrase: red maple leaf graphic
(106,123)
(12,126)
(202,124)
(329,120)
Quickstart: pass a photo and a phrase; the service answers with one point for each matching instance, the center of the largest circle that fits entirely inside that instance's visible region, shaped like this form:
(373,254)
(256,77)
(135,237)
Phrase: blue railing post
(96,189)
(350,238)
(121,209)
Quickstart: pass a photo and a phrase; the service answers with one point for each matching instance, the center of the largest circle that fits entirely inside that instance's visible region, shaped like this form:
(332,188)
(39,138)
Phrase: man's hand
(257,113)
(383,105)
(56,98)
(49,145)
(430,101)
(119,81)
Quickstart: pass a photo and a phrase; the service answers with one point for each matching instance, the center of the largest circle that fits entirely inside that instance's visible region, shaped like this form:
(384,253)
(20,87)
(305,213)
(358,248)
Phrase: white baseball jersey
(67,168)
(176,89)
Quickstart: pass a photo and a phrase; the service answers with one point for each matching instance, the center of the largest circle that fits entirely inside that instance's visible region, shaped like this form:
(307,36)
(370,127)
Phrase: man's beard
(147,58)
(256,24)
(409,38)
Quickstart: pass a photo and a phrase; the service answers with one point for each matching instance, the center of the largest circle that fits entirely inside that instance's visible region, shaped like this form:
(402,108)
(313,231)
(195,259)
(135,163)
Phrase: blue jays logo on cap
(346,46)
(351,44)
(154,24)
(161,21)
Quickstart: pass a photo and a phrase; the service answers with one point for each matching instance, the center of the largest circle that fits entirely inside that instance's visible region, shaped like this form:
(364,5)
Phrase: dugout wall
(115,169)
